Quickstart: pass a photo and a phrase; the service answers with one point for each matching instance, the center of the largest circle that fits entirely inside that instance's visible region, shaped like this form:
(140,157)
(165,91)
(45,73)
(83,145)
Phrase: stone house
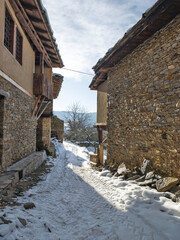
(45,122)
(57,128)
(142,77)
(28,52)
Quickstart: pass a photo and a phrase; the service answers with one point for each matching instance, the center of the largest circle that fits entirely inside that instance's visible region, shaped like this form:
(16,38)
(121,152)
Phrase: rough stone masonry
(17,126)
(143,105)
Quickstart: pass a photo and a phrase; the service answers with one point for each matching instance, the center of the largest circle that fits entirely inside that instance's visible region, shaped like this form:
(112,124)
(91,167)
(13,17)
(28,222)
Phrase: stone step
(21,168)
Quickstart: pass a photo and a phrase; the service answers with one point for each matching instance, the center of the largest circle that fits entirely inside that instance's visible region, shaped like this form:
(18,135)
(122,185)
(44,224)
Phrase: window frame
(19,58)
(11,31)
(15,31)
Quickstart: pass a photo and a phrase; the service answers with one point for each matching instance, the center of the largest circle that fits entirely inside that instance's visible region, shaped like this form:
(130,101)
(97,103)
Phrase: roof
(155,18)
(34,20)
(57,83)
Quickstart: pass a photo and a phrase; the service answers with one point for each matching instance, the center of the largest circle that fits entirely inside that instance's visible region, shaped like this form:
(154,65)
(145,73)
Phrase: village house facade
(28,53)
(57,128)
(142,77)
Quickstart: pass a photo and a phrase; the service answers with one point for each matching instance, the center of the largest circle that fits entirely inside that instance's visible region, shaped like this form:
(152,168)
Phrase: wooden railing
(42,86)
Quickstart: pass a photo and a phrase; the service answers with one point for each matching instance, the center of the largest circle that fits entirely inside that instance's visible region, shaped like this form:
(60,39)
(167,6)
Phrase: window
(9,31)
(18,46)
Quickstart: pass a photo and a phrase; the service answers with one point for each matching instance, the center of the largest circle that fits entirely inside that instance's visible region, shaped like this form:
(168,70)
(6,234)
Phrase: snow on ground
(75,202)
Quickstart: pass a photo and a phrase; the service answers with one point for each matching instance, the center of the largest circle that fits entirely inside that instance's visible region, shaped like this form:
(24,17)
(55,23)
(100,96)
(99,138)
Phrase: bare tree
(79,125)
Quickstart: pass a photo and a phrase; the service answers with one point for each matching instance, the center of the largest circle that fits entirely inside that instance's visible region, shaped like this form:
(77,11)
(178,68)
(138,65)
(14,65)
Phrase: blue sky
(84,31)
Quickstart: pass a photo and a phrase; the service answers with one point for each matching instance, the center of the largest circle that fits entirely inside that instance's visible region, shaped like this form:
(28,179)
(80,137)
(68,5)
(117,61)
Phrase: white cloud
(84,29)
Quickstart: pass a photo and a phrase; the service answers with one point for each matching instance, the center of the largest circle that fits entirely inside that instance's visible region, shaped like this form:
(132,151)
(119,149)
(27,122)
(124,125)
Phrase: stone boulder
(141,179)
(22,221)
(133,177)
(122,168)
(148,182)
(29,205)
(146,166)
(177,195)
(138,171)
(127,174)
(150,175)
(166,183)
(104,173)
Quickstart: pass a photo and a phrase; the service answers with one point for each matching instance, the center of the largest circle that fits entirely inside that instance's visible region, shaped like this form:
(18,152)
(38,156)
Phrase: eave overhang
(34,20)
(162,12)
(57,84)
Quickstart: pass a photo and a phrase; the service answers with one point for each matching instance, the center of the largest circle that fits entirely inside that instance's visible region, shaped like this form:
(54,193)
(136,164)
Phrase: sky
(84,31)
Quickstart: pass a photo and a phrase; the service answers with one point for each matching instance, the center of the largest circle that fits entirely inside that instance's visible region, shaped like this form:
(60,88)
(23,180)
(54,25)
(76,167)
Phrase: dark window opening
(18,46)
(20,174)
(8,31)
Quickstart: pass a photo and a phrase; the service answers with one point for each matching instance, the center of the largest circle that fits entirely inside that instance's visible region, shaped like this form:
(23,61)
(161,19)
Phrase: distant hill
(64,114)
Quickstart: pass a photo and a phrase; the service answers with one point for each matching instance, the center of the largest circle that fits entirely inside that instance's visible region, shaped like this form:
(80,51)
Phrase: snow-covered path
(76,203)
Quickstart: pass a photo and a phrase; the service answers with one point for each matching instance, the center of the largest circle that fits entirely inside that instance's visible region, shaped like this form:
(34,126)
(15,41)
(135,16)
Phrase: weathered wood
(40,105)
(42,86)
(100,135)
(42,62)
(43,110)
(35,105)
(101,154)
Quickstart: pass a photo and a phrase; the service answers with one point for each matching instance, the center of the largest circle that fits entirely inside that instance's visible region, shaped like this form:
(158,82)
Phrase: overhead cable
(72,70)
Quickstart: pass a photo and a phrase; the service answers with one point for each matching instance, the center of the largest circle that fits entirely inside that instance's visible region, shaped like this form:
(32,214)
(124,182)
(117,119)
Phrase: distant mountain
(64,115)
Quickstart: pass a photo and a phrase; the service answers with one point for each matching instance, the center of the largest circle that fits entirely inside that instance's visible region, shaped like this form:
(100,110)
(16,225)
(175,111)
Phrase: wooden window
(19,41)
(9,31)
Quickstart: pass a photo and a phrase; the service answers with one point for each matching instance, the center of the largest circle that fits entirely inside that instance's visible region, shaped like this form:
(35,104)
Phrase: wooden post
(101,154)
(100,136)
(41,62)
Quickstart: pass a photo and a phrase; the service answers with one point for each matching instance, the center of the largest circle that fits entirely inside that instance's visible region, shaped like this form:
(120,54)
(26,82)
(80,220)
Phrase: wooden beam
(43,110)
(35,105)
(100,135)
(30,7)
(40,105)
(51,53)
(40,30)
(34,19)
(42,63)
(44,38)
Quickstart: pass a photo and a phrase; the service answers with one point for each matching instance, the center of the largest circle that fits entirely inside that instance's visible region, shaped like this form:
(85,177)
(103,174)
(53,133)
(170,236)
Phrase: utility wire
(77,71)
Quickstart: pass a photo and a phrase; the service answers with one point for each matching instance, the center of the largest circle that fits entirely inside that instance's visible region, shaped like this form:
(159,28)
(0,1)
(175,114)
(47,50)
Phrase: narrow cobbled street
(75,202)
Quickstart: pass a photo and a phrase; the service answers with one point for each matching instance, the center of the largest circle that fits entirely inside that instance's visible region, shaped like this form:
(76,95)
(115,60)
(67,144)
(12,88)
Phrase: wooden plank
(40,105)
(42,62)
(35,105)
(43,110)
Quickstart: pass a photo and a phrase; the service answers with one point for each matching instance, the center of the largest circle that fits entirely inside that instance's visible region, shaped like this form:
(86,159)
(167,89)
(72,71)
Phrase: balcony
(42,86)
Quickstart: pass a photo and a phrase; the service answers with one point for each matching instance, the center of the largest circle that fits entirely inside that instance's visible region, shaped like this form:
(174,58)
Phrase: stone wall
(143,104)
(19,127)
(102,103)
(57,128)
(1,126)
(43,133)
